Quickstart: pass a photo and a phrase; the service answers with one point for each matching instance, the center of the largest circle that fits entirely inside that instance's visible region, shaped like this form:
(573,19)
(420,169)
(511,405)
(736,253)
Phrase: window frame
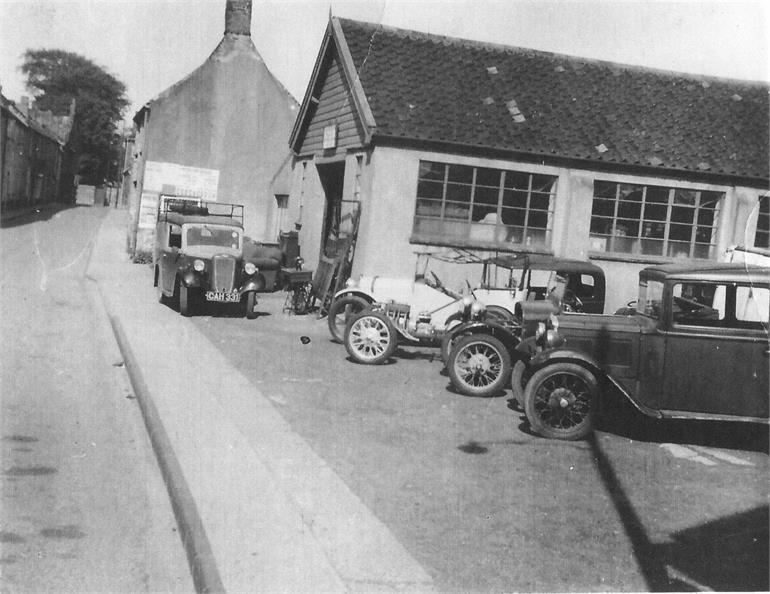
(454,201)
(763,222)
(664,241)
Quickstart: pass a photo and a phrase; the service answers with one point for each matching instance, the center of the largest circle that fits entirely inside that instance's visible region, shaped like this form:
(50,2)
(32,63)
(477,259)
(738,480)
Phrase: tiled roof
(431,88)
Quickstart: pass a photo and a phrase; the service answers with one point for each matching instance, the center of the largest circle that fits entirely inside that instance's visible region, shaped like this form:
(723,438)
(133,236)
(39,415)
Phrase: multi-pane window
(654,220)
(480,205)
(762,237)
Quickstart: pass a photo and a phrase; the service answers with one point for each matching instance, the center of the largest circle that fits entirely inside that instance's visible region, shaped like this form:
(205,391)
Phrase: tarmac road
(486,506)
(84,508)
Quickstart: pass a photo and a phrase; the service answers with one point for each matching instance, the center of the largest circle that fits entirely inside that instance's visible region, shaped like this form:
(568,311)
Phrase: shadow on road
(621,418)
(45,212)
(729,554)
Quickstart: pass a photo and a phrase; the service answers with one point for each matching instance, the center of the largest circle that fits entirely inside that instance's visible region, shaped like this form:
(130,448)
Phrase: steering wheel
(572,302)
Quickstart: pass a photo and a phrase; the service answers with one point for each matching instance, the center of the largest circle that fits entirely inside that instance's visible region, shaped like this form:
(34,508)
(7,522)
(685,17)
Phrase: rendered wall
(230,115)
(388,205)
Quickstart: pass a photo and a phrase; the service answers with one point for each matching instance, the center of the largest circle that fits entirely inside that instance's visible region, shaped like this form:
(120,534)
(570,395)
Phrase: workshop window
(762,236)
(466,205)
(654,220)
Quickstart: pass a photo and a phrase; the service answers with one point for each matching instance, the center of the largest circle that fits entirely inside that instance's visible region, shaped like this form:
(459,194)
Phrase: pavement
(257,508)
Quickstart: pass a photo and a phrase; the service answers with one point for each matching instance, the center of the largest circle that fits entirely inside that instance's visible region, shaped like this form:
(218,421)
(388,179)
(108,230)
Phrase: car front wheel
(560,401)
(370,338)
(479,365)
(188,300)
(342,309)
(251,302)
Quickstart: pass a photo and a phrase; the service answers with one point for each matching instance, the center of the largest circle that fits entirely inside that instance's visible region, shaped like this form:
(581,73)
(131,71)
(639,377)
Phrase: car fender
(559,355)
(354,293)
(499,331)
(255,283)
(189,278)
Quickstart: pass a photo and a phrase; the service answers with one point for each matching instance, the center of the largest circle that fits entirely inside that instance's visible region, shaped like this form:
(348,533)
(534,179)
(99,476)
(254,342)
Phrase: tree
(55,78)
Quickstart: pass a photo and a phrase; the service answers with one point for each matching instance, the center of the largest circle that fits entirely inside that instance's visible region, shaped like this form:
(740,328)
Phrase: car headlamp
(199,265)
(477,310)
(351,283)
(465,305)
(249,268)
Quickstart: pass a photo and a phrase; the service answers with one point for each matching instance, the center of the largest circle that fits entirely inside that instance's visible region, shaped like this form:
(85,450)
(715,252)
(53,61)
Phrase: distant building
(220,133)
(449,143)
(33,160)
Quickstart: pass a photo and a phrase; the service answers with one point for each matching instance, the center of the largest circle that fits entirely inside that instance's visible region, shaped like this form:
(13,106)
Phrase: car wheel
(560,401)
(186,300)
(519,378)
(340,312)
(450,336)
(251,302)
(479,365)
(370,338)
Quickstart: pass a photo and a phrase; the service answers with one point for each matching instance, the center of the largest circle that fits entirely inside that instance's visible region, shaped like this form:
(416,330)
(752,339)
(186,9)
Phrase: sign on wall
(177,180)
(181,180)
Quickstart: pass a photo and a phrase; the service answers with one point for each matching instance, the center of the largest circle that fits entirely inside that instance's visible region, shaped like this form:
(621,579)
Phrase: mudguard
(572,356)
(499,331)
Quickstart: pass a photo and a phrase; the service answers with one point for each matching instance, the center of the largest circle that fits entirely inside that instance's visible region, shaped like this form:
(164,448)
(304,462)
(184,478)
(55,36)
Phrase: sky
(151,44)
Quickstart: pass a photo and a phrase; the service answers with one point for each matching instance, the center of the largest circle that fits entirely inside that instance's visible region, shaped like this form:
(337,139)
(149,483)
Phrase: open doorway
(339,233)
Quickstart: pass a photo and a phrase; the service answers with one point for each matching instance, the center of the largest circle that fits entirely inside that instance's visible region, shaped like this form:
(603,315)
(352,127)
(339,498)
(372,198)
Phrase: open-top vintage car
(696,348)
(201,255)
(424,311)
(479,353)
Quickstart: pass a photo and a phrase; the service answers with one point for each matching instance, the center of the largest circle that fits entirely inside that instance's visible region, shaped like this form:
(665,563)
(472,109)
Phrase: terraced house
(432,142)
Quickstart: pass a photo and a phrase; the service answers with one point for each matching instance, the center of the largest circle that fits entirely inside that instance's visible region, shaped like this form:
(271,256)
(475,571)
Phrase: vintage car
(201,255)
(479,353)
(696,348)
(423,311)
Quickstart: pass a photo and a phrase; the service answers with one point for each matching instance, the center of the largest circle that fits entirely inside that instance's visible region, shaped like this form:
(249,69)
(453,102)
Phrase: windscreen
(211,235)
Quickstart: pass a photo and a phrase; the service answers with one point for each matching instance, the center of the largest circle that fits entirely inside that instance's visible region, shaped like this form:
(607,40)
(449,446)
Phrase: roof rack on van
(187,205)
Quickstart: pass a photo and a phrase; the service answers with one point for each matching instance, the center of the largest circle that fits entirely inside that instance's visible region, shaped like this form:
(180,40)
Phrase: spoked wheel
(340,311)
(560,401)
(479,365)
(370,338)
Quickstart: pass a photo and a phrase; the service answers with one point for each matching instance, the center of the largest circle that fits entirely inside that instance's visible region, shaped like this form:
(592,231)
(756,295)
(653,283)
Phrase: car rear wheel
(251,302)
(340,311)
(560,401)
(479,365)
(370,338)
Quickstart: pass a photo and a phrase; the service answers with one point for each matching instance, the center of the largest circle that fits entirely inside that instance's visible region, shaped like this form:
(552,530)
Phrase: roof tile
(568,105)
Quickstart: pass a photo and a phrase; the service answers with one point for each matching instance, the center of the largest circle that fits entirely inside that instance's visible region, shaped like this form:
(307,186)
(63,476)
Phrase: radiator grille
(223,273)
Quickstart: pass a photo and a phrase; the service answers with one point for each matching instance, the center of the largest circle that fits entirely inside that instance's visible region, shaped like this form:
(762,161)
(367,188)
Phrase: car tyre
(251,302)
(519,378)
(479,365)
(187,301)
(560,401)
(451,334)
(340,311)
(370,338)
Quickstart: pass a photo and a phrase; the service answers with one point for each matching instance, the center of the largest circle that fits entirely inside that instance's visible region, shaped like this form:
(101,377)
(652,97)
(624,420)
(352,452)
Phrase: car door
(716,354)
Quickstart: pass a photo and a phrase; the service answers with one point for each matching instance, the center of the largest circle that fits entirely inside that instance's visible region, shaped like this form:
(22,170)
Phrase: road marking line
(682,452)
(724,456)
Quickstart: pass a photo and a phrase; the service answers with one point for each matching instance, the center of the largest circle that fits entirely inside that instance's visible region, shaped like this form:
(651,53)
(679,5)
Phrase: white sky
(151,44)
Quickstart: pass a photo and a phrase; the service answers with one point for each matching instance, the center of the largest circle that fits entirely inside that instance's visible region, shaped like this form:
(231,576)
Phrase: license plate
(223,296)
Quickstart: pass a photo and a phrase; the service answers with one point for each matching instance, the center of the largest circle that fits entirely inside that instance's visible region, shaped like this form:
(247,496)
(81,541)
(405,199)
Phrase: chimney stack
(238,17)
